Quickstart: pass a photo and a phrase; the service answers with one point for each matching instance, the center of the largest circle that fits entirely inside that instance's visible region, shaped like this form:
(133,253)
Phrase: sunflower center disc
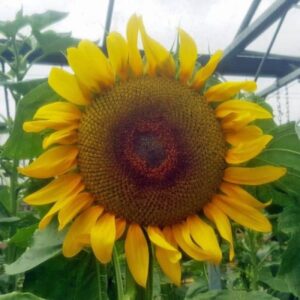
(151,151)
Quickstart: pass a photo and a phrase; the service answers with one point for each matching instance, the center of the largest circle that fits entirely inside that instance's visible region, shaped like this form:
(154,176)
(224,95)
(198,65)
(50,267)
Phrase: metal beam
(280,82)
(110,10)
(269,47)
(247,63)
(273,13)
(249,15)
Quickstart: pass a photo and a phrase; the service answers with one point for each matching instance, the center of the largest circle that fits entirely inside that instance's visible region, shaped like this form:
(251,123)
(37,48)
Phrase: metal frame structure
(281,67)
(236,60)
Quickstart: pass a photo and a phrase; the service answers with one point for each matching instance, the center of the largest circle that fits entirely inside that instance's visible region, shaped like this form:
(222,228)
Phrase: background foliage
(31,264)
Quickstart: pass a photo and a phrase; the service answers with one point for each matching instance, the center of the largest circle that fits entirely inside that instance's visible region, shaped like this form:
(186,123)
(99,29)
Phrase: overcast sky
(212,23)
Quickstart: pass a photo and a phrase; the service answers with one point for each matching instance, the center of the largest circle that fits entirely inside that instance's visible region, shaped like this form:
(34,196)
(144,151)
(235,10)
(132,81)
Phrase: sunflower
(141,148)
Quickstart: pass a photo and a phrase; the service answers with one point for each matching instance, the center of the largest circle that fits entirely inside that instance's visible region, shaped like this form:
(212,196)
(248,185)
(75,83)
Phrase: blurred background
(260,37)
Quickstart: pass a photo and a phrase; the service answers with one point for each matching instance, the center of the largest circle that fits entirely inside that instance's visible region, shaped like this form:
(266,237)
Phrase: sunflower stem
(118,275)
(101,280)
(214,277)
(130,286)
(149,287)
(254,261)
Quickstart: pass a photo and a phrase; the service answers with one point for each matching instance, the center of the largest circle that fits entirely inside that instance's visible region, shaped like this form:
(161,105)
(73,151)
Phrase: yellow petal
(226,90)
(72,208)
(182,236)
(238,106)
(242,214)
(248,150)
(57,110)
(117,49)
(55,161)
(81,227)
(80,64)
(243,135)
(63,137)
(91,66)
(159,59)
(205,237)
(120,227)
(157,237)
(172,270)
(234,191)
(66,85)
(134,56)
(222,223)
(205,72)
(168,233)
(187,55)
(100,65)
(37,126)
(236,122)
(58,206)
(56,190)
(253,176)
(103,236)
(137,254)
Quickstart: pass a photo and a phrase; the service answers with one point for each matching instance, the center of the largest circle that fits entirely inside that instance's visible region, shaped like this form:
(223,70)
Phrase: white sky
(212,23)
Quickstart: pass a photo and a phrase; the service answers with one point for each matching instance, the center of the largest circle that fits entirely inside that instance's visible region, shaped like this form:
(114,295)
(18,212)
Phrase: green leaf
(20,296)
(274,282)
(290,266)
(77,278)
(268,192)
(289,219)
(45,245)
(9,220)
(24,87)
(196,288)
(230,295)
(23,236)
(10,28)
(22,145)
(284,151)
(2,47)
(40,21)
(53,42)
(5,198)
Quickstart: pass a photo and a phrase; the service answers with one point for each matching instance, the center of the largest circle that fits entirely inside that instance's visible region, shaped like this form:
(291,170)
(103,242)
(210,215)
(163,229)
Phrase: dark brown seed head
(151,151)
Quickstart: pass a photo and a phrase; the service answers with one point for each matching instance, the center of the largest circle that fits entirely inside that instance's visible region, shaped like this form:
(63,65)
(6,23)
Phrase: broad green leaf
(76,278)
(196,288)
(5,198)
(45,245)
(23,236)
(40,21)
(20,296)
(24,87)
(274,282)
(283,150)
(290,266)
(9,219)
(2,48)
(10,28)
(53,42)
(232,295)
(268,192)
(289,219)
(22,145)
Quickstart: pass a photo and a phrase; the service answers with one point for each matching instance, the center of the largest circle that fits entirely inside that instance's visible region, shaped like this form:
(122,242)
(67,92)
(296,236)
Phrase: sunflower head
(140,146)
